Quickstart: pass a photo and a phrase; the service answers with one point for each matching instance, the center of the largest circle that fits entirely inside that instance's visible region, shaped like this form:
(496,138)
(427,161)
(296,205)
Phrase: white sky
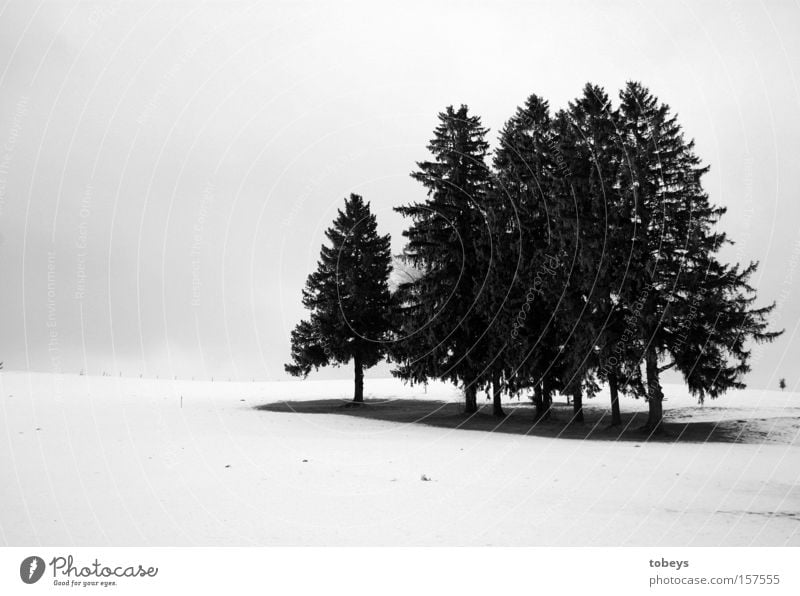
(172,166)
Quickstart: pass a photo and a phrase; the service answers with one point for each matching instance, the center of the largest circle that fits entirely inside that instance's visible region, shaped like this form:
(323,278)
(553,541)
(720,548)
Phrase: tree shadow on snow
(519,420)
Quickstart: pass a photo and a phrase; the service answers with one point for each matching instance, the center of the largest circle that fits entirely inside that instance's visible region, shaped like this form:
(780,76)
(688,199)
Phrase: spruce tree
(553,159)
(602,227)
(579,239)
(691,311)
(440,324)
(526,164)
(348,296)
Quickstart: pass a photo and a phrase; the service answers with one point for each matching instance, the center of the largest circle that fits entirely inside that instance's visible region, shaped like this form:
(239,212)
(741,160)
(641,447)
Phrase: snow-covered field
(115,461)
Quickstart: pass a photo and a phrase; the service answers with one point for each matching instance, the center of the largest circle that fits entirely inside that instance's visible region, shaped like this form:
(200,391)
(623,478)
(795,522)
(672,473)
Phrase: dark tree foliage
(598,234)
(708,344)
(498,256)
(440,324)
(516,235)
(579,211)
(526,166)
(692,311)
(348,296)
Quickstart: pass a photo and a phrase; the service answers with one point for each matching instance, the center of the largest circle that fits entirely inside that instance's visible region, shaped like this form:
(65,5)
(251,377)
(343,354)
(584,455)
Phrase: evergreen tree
(440,325)
(691,311)
(566,238)
(525,167)
(579,235)
(348,296)
(602,231)
(513,241)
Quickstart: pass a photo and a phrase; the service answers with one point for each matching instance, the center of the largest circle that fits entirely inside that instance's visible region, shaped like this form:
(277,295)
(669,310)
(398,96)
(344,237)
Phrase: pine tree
(508,247)
(579,234)
(561,163)
(603,227)
(691,311)
(348,296)
(526,166)
(440,325)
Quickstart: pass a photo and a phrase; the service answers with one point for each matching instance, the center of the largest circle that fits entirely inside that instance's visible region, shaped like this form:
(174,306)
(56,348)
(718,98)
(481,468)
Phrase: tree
(525,167)
(440,324)
(599,222)
(689,310)
(348,296)
(512,242)
(580,140)
(557,167)
(781,383)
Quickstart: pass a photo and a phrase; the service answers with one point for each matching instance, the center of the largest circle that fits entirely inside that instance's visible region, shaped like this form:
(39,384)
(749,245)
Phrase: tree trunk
(547,398)
(655,396)
(538,400)
(497,395)
(470,398)
(613,387)
(358,393)
(577,404)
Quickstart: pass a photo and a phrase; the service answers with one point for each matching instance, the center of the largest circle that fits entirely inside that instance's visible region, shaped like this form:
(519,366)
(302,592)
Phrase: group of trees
(582,251)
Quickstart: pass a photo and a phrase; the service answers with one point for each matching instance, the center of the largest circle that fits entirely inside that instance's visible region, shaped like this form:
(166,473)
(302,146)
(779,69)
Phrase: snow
(116,461)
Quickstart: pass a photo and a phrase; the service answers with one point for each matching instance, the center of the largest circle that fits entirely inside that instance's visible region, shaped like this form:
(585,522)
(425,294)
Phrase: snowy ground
(109,461)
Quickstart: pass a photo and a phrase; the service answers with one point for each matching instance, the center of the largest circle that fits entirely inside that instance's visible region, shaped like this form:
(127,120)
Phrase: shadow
(519,420)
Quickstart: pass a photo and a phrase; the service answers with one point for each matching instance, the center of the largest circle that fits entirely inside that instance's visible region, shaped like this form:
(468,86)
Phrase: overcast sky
(167,169)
